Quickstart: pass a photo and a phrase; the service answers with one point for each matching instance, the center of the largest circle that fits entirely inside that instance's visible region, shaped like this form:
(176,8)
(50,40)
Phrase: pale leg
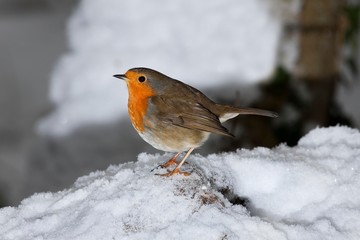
(177,169)
(171,161)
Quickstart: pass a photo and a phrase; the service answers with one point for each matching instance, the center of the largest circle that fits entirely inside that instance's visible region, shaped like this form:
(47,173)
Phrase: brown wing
(186,113)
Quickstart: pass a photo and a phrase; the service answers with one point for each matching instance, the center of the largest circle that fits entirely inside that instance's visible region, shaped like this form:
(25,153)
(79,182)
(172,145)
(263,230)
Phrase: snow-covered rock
(311,191)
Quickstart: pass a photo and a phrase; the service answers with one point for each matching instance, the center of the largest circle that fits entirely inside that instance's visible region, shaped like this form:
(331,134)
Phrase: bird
(173,116)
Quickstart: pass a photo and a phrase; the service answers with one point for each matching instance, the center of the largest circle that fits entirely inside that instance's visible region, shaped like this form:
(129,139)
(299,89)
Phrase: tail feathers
(233,112)
(255,111)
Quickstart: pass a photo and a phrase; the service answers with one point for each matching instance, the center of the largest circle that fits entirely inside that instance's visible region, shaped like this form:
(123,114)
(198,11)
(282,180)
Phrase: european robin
(173,116)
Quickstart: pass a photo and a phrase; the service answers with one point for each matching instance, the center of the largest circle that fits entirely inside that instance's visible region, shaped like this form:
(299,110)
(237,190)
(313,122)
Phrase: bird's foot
(173,172)
(169,163)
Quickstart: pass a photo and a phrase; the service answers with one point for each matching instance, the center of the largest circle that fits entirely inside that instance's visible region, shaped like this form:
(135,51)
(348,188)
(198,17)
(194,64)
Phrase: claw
(173,172)
(177,168)
(171,161)
(168,163)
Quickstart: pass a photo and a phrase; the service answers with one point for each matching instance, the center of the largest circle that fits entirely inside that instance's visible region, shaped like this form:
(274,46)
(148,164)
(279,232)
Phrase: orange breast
(137,104)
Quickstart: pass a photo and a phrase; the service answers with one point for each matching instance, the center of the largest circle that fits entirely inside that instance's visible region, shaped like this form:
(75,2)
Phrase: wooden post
(321,26)
(322,29)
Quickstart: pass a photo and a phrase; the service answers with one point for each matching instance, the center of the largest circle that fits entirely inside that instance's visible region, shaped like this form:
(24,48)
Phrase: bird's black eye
(142,79)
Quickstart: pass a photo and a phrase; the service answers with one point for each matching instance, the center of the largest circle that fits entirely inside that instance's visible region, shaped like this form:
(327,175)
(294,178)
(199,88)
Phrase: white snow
(310,191)
(205,44)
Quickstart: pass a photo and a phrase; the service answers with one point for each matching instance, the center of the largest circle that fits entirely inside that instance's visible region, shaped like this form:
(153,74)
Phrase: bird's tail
(232,112)
(256,111)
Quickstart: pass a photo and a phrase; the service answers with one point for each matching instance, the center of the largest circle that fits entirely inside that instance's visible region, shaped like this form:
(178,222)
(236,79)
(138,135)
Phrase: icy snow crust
(311,191)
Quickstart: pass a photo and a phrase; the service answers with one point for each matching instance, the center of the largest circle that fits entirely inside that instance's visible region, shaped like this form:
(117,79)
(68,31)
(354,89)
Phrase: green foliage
(283,87)
(352,13)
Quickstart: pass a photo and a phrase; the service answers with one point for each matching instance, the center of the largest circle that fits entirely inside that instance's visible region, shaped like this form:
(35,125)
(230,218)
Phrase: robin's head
(144,82)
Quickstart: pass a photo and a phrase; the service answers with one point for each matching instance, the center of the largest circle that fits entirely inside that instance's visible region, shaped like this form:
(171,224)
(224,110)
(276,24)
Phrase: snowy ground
(311,191)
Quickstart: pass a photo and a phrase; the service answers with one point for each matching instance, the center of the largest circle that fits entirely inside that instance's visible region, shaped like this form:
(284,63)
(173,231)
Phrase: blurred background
(63,115)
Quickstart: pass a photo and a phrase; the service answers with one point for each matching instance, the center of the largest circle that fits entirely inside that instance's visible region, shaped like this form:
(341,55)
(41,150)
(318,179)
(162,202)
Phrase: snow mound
(311,191)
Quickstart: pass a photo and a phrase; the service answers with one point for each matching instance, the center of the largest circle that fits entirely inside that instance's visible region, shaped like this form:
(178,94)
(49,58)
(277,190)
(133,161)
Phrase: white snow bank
(204,43)
(311,191)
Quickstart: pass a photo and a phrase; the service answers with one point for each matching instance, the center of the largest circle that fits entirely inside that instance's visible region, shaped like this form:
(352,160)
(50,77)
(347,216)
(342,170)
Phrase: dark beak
(120,76)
